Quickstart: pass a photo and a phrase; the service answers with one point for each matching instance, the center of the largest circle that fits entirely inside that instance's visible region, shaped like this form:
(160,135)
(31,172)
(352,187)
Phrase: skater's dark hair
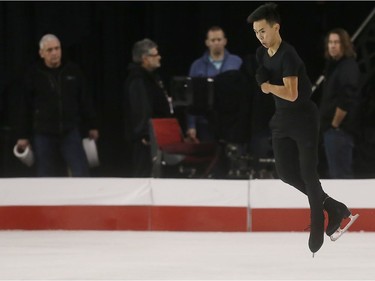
(266,12)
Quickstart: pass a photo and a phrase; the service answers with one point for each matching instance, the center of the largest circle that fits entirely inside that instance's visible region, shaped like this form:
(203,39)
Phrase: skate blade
(340,231)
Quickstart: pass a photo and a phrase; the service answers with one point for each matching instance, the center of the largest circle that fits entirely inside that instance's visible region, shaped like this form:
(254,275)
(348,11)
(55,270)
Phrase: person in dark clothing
(339,103)
(54,106)
(216,60)
(145,98)
(295,124)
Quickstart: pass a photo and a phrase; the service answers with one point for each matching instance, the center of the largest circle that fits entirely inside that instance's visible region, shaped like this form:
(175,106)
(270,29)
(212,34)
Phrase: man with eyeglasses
(144,98)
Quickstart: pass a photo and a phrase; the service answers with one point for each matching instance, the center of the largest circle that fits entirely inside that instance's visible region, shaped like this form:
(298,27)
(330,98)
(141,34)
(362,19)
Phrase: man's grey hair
(142,48)
(45,38)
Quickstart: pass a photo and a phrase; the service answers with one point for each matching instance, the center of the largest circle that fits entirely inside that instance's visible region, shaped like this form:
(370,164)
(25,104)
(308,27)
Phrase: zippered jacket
(54,101)
(203,67)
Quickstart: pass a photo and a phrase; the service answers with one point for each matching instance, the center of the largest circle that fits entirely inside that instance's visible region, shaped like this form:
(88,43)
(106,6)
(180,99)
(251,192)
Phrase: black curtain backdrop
(99,37)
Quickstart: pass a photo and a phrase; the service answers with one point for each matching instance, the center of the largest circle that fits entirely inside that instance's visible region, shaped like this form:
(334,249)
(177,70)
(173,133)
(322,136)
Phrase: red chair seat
(169,147)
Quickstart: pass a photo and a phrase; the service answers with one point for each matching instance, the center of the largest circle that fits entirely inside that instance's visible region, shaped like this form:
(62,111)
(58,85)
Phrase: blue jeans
(49,149)
(338,146)
(203,127)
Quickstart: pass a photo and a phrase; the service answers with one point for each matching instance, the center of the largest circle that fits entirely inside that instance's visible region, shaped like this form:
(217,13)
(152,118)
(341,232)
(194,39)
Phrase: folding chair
(169,149)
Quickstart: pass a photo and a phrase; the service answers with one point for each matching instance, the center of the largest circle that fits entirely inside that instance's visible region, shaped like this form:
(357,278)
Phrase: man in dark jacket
(145,98)
(53,103)
(339,103)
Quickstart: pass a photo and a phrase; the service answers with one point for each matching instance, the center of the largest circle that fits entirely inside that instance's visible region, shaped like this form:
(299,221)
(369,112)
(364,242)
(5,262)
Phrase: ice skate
(340,231)
(337,212)
(316,238)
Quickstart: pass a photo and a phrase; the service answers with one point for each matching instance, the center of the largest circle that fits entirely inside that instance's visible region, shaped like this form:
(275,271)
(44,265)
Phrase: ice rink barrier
(171,204)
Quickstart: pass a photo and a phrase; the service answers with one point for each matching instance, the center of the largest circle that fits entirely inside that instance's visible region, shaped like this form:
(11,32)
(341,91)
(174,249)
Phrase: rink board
(171,204)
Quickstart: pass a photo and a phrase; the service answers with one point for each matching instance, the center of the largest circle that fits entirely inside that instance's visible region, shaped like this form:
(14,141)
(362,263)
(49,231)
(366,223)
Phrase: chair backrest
(163,131)
(166,131)
(168,147)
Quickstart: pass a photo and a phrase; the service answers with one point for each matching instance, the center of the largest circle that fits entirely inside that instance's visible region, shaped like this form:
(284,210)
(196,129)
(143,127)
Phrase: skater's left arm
(288,91)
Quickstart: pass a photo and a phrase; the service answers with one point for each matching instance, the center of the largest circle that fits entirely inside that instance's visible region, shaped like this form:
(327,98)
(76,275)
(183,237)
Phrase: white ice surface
(132,255)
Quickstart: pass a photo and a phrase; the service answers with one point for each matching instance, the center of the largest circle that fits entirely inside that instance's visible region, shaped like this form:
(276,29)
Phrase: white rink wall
(171,204)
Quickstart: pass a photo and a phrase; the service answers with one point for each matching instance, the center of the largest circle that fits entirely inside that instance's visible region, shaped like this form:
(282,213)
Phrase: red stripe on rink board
(279,219)
(75,217)
(169,218)
(196,218)
(124,218)
(299,219)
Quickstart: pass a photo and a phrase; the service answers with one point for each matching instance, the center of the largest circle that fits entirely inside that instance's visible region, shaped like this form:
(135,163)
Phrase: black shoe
(337,211)
(316,238)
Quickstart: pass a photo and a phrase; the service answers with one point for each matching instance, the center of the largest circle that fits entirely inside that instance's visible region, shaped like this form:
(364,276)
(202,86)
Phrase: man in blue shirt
(214,61)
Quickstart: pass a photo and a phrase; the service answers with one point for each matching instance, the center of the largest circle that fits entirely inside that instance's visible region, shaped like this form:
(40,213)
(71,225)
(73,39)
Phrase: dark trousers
(141,156)
(295,145)
(49,149)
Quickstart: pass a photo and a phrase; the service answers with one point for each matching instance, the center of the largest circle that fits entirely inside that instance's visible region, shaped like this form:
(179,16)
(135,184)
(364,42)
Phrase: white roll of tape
(89,146)
(26,156)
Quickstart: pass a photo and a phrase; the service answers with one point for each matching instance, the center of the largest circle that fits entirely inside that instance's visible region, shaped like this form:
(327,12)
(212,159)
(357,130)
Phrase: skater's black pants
(295,137)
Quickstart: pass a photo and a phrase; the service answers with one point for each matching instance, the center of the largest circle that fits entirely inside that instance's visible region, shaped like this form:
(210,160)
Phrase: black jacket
(54,101)
(144,98)
(340,89)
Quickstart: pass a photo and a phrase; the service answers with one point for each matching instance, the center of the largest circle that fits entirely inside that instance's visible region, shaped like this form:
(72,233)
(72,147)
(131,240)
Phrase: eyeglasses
(153,55)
